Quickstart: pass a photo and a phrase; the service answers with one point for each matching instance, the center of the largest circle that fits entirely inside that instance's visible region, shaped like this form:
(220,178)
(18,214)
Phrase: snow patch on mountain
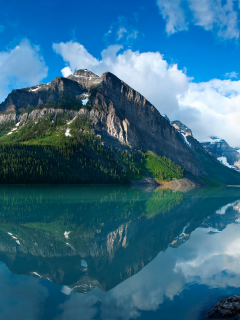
(66,234)
(34,89)
(224,161)
(12,131)
(67,133)
(85,101)
(211,140)
(185,139)
(84,263)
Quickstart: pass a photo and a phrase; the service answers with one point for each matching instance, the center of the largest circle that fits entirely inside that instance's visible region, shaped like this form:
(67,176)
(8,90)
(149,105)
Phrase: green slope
(40,152)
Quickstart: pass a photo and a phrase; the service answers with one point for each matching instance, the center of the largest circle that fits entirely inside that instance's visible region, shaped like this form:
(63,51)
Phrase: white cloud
(66,72)
(75,55)
(214,15)
(132,35)
(211,108)
(231,75)
(121,32)
(21,66)
(208,108)
(173,14)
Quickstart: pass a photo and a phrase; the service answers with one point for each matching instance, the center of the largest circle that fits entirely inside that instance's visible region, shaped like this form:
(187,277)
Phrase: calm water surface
(94,252)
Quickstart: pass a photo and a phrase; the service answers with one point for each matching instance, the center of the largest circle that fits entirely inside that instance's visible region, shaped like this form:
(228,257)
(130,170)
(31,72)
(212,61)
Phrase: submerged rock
(225,309)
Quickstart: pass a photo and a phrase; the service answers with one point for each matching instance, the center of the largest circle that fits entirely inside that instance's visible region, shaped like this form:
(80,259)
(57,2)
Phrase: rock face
(127,116)
(221,150)
(225,309)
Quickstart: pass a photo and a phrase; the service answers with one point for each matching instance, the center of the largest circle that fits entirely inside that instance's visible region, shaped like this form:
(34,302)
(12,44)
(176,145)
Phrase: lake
(117,252)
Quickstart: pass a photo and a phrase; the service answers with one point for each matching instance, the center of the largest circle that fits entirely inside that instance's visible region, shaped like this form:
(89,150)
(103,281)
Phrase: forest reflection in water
(91,239)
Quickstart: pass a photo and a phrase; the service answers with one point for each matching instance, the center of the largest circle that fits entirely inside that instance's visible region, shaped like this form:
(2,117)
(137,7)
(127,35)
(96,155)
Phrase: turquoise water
(105,252)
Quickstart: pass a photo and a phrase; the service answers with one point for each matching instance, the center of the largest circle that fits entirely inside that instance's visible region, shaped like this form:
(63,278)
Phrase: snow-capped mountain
(215,146)
(221,150)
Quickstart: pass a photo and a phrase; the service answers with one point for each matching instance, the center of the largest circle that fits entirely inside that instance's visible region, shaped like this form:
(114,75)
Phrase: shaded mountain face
(120,116)
(221,150)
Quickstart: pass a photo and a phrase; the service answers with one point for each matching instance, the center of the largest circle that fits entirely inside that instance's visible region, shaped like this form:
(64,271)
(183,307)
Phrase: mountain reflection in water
(90,239)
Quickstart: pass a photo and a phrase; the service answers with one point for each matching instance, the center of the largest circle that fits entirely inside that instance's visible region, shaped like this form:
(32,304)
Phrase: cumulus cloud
(75,55)
(208,108)
(21,66)
(222,18)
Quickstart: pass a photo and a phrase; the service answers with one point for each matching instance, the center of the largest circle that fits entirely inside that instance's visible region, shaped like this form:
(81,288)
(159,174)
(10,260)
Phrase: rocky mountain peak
(181,127)
(85,78)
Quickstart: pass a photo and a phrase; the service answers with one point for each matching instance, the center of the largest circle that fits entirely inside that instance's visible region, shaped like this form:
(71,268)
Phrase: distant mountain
(221,150)
(215,146)
(87,129)
(181,127)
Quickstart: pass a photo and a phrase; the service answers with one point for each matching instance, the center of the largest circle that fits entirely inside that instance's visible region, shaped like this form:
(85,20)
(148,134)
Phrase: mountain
(87,129)
(221,150)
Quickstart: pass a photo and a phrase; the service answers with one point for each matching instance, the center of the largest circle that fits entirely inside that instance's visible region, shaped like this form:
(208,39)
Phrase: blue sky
(183,55)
